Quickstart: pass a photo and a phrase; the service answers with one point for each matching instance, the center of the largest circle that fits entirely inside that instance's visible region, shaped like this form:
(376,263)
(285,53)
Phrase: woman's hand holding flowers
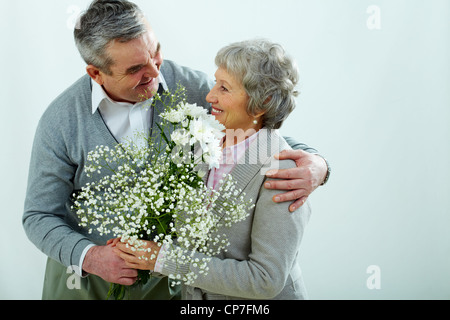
(140,255)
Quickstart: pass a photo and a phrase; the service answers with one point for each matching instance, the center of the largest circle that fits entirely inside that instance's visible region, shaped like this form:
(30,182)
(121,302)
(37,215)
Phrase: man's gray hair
(268,75)
(103,22)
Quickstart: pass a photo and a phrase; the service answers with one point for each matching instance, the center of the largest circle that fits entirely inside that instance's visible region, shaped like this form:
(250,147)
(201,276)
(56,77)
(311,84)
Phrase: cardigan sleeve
(50,185)
(275,239)
(300,146)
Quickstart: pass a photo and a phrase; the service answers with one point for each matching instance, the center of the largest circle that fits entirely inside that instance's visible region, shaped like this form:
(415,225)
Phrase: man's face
(135,69)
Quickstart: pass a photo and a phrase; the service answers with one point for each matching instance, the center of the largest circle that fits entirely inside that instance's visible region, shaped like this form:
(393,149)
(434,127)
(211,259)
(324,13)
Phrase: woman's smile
(216,111)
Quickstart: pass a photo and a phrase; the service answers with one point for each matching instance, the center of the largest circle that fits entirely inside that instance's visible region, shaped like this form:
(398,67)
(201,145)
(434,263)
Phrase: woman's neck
(233,137)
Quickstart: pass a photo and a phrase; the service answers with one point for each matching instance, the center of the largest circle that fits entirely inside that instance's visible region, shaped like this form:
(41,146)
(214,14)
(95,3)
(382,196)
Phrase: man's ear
(95,74)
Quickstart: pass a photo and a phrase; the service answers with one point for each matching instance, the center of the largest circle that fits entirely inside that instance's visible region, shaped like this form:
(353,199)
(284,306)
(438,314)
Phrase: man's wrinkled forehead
(129,56)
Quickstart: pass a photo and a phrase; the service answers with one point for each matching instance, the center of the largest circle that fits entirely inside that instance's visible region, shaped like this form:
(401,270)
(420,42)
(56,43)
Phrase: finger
(292,173)
(125,247)
(116,241)
(290,196)
(129,272)
(133,265)
(125,281)
(297,204)
(134,262)
(290,154)
(296,184)
(128,258)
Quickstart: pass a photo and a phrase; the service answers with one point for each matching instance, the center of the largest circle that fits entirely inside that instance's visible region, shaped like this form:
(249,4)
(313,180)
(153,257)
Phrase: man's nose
(152,70)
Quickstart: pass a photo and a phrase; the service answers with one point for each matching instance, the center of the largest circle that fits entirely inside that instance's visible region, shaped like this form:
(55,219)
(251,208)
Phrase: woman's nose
(211,97)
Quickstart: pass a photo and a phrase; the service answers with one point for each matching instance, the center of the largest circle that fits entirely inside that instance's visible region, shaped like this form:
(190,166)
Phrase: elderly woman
(253,95)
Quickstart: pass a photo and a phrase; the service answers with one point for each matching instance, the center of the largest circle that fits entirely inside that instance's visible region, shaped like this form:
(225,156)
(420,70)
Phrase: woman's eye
(223,88)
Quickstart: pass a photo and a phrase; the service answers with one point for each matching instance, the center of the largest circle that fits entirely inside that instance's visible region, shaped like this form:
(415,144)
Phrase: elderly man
(104,107)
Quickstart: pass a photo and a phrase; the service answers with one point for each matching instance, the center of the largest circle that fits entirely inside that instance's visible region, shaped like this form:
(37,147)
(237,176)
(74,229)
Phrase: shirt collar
(232,154)
(99,94)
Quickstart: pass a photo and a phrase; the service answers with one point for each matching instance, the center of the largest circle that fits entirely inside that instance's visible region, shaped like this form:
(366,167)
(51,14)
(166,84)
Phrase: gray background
(375,101)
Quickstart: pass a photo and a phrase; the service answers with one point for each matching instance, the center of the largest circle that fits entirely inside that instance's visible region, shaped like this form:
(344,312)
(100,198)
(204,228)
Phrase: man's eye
(223,89)
(135,70)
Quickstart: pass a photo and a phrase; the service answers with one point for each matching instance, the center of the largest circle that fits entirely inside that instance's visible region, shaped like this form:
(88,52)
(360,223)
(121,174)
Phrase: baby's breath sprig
(155,192)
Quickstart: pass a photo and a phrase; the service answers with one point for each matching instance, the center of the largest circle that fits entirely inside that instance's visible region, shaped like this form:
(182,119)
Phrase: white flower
(194,111)
(173,116)
(200,133)
(213,156)
(181,137)
(216,126)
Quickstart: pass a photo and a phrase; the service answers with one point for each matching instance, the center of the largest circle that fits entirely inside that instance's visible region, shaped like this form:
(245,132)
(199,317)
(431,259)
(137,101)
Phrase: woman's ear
(95,74)
(259,115)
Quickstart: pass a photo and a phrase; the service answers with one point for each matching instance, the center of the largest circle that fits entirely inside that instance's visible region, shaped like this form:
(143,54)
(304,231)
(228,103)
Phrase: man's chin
(148,90)
(145,96)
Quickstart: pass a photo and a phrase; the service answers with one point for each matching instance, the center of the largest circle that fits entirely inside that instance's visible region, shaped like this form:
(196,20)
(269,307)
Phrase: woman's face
(229,103)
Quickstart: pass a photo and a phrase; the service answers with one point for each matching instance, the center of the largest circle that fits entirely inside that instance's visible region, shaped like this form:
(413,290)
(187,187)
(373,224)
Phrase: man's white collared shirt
(126,121)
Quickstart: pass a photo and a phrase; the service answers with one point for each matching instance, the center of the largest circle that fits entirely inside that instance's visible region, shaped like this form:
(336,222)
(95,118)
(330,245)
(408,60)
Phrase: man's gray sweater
(66,133)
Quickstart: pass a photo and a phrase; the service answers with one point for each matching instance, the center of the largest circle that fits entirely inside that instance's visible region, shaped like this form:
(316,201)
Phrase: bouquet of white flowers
(157,193)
